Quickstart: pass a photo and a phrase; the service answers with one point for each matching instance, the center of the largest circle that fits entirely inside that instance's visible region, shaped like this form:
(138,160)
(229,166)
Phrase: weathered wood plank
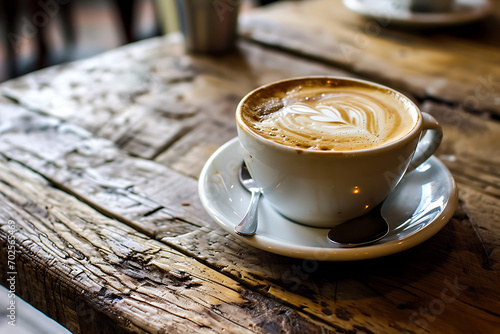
(94,169)
(189,153)
(440,68)
(99,274)
(471,147)
(101,94)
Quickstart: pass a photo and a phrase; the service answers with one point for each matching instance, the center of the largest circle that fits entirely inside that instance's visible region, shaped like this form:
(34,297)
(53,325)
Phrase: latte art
(336,118)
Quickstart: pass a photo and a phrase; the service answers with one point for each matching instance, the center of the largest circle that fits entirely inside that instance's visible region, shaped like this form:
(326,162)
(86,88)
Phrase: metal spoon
(360,231)
(248,225)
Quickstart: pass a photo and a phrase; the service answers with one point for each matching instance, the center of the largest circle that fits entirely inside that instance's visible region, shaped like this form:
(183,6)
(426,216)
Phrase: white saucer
(419,207)
(464,11)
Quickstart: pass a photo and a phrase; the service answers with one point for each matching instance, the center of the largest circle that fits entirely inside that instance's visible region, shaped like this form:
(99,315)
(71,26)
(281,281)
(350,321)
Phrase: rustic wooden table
(99,161)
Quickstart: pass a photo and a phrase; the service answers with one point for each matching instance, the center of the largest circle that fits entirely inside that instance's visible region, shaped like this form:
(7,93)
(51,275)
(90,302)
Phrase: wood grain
(134,190)
(82,268)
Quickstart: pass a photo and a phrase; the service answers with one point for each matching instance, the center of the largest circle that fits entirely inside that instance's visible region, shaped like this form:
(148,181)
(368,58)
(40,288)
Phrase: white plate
(418,208)
(464,11)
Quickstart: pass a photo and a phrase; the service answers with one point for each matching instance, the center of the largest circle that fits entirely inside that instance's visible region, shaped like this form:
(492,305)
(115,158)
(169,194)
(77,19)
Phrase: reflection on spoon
(360,231)
(248,224)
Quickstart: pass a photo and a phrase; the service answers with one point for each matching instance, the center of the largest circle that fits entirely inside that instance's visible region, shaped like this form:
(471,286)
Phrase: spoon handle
(248,225)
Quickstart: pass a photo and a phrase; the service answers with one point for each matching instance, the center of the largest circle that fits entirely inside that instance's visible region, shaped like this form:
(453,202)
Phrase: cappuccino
(325,114)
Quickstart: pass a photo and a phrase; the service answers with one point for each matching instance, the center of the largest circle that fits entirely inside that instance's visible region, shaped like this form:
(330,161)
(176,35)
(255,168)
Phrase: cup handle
(428,143)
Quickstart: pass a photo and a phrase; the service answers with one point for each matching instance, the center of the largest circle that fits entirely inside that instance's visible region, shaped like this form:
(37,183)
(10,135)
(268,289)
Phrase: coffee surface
(335,116)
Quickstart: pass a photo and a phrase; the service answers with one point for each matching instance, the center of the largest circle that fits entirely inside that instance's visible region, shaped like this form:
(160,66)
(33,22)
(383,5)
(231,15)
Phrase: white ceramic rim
(477,11)
(415,131)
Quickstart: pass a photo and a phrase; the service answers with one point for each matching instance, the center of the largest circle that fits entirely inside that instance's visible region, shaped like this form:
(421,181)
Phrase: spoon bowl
(360,231)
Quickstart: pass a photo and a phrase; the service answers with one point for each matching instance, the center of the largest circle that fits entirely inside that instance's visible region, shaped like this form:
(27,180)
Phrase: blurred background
(40,33)
(37,34)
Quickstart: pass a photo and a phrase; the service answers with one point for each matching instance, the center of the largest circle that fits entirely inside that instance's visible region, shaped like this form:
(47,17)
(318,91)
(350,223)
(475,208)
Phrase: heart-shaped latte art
(343,117)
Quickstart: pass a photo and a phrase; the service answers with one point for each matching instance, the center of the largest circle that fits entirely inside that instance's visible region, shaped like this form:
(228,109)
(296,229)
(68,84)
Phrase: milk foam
(335,118)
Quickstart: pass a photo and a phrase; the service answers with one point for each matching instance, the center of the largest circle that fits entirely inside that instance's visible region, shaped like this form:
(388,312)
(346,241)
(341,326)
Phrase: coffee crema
(329,115)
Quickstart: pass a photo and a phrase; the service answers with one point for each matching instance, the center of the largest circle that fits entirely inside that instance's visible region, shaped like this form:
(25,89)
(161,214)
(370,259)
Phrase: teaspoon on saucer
(360,231)
(248,224)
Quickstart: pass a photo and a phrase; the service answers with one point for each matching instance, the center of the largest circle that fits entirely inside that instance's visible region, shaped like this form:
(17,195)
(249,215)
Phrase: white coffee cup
(324,188)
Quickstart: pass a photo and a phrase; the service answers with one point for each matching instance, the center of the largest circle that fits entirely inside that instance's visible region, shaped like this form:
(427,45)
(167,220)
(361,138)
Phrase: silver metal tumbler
(208,26)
